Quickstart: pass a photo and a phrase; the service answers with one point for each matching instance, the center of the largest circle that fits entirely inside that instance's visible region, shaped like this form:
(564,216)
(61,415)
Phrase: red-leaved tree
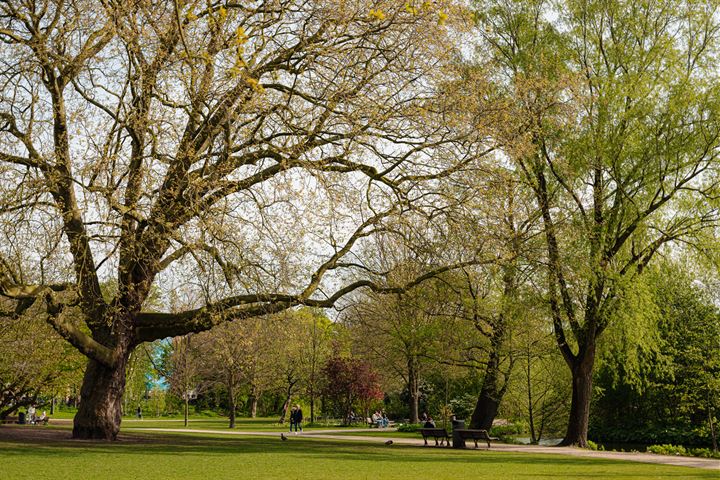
(350,382)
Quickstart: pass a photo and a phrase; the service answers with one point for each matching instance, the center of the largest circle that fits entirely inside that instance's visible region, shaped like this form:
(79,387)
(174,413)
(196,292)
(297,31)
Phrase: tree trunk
(414,389)
(582,368)
(531,411)
(187,407)
(253,402)
(283,413)
(231,404)
(492,391)
(312,407)
(713,432)
(488,401)
(100,410)
(288,398)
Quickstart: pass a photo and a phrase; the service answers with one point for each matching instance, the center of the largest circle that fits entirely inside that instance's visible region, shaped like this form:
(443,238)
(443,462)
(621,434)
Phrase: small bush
(703,452)
(594,446)
(667,449)
(507,430)
(409,427)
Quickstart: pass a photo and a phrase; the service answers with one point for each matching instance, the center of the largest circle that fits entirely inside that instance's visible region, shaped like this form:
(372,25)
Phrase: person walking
(298,418)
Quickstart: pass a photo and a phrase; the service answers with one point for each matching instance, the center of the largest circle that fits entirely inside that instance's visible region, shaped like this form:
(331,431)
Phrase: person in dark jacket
(296,418)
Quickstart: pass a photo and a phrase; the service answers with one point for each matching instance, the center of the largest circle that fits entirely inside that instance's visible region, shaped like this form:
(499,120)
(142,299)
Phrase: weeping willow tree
(617,105)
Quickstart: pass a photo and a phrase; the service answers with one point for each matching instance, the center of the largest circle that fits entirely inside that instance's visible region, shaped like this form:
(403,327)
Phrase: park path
(704,463)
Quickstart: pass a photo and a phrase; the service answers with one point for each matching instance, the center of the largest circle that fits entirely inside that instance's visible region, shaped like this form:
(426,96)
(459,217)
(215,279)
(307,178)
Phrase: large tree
(252,143)
(618,109)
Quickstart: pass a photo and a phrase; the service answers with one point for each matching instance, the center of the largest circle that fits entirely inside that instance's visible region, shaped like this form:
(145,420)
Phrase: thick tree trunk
(253,400)
(414,389)
(488,401)
(582,368)
(100,410)
(493,387)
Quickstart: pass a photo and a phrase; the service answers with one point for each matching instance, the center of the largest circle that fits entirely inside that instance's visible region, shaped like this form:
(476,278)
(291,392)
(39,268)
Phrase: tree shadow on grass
(306,450)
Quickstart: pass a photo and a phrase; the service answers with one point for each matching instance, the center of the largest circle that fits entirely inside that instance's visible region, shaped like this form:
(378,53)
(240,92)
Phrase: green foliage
(665,388)
(463,406)
(633,432)
(594,446)
(409,427)
(667,449)
(36,364)
(670,449)
(515,428)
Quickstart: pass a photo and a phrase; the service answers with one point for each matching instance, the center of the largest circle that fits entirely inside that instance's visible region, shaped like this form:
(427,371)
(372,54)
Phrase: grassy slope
(217,457)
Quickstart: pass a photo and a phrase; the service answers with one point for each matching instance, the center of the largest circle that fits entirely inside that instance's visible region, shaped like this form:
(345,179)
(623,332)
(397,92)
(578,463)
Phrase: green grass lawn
(219,423)
(214,456)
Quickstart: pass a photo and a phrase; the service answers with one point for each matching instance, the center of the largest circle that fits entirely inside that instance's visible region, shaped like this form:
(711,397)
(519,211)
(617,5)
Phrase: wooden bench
(435,433)
(9,420)
(475,435)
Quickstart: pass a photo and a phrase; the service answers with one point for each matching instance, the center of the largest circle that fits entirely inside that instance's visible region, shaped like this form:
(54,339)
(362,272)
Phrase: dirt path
(704,463)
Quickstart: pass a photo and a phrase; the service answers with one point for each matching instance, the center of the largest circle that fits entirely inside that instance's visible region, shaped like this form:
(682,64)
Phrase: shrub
(463,406)
(703,452)
(409,427)
(667,449)
(509,429)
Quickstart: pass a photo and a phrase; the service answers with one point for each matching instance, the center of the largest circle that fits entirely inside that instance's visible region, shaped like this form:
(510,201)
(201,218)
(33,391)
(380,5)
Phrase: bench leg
(475,442)
(425,438)
(436,443)
(488,442)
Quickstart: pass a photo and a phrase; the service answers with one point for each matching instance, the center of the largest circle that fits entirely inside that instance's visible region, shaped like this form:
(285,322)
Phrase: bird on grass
(283,437)
(389,442)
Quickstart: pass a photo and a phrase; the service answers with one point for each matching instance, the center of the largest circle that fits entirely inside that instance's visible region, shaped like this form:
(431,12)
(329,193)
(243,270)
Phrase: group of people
(33,418)
(427,420)
(379,419)
(296,418)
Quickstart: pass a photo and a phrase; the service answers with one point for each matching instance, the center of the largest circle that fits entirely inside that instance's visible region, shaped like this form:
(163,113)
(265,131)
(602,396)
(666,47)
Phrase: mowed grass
(220,423)
(216,456)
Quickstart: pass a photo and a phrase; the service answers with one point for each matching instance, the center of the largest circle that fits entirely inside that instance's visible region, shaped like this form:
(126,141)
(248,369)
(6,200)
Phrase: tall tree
(35,363)
(254,143)
(315,349)
(350,383)
(618,112)
(399,333)
(180,365)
